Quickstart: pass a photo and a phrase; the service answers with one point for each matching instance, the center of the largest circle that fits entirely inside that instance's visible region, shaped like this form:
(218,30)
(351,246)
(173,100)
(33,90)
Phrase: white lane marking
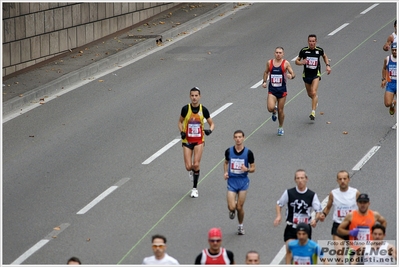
(368,9)
(395,126)
(294,58)
(161,151)
(30,251)
(216,112)
(102,196)
(256,85)
(279,257)
(39,244)
(175,141)
(338,29)
(366,157)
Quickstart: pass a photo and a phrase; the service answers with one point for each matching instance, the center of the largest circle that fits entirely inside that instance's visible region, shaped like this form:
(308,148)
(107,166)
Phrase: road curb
(69,79)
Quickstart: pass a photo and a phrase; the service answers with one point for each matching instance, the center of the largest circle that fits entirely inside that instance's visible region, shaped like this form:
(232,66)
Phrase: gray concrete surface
(81,63)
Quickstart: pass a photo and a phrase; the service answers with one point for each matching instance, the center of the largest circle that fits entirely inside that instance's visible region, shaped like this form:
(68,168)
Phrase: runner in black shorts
(300,201)
(309,57)
(276,71)
(191,127)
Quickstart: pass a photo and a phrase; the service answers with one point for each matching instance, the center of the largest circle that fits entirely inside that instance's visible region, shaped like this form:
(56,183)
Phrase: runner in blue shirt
(303,251)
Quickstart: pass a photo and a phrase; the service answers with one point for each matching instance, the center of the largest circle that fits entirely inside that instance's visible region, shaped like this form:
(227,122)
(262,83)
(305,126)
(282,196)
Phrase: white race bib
(312,62)
(342,211)
(300,218)
(300,260)
(364,233)
(235,166)
(194,130)
(276,80)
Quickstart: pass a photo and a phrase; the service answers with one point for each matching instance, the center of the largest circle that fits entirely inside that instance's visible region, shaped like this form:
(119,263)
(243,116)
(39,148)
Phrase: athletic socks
(196,176)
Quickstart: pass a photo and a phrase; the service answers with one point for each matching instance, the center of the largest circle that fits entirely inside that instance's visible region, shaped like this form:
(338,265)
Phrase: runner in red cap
(215,254)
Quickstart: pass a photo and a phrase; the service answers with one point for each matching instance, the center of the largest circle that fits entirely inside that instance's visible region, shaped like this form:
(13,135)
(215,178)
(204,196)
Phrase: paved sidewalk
(83,63)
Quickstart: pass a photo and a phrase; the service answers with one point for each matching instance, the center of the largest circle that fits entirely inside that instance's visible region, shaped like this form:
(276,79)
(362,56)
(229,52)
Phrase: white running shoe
(241,230)
(194,193)
(190,175)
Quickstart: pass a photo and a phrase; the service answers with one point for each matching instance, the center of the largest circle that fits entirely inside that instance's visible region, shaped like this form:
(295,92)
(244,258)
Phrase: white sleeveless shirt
(343,202)
(377,257)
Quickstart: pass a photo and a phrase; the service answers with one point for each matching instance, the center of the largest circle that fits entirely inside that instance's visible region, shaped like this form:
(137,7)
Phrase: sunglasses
(158,246)
(215,240)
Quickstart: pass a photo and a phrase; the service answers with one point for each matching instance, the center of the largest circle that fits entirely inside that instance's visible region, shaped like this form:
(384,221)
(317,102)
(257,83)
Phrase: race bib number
(235,166)
(300,260)
(364,233)
(342,212)
(392,74)
(276,80)
(312,62)
(194,130)
(300,218)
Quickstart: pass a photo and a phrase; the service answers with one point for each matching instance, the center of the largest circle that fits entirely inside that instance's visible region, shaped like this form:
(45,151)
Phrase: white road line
(256,85)
(102,196)
(338,29)
(279,257)
(216,112)
(161,151)
(294,58)
(175,141)
(395,126)
(368,9)
(368,156)
(30,251)
(39,244)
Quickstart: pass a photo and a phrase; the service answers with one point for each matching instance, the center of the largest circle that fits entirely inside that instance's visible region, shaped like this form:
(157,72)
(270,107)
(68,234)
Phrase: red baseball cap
(215,232)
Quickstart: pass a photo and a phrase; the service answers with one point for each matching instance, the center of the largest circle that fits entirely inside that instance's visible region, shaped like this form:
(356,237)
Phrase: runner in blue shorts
(389,80)
(239,161)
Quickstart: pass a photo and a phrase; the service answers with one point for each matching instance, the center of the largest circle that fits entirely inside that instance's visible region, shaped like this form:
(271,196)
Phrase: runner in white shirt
(391,39)
(160,256)
(343,199)
(378,251)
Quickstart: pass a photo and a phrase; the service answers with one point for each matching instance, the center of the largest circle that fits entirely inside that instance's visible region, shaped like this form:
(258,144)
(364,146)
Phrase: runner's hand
(354,232)
(208,132)
(183,135)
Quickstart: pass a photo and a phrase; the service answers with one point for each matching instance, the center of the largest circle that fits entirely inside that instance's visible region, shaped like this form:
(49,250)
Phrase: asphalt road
(61,156)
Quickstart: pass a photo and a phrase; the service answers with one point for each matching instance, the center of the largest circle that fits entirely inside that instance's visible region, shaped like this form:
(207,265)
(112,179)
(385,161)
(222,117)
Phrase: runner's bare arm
(326,210)
(341,230)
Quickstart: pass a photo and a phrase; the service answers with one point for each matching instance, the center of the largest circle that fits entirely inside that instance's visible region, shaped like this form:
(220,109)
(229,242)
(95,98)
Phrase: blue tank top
(391,68)
(235,163)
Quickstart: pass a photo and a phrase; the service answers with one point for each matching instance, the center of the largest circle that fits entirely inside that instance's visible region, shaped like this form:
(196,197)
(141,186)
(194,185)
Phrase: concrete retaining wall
(34,32)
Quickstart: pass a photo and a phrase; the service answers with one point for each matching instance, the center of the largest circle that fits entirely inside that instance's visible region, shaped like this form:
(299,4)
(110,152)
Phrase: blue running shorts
(237,184)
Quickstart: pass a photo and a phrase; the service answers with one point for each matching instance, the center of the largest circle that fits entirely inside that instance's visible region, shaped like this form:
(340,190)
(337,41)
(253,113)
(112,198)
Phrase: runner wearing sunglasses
(215,254)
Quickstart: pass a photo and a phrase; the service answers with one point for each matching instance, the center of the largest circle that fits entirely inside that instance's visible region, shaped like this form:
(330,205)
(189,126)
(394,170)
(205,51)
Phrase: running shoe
(274,115)
(190,175)
(232,214)
(194,193)
(241,230)
(312,115)
(392,108)
(280,131)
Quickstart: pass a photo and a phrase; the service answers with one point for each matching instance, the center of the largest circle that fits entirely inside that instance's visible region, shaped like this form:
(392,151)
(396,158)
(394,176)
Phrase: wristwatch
(382,79)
